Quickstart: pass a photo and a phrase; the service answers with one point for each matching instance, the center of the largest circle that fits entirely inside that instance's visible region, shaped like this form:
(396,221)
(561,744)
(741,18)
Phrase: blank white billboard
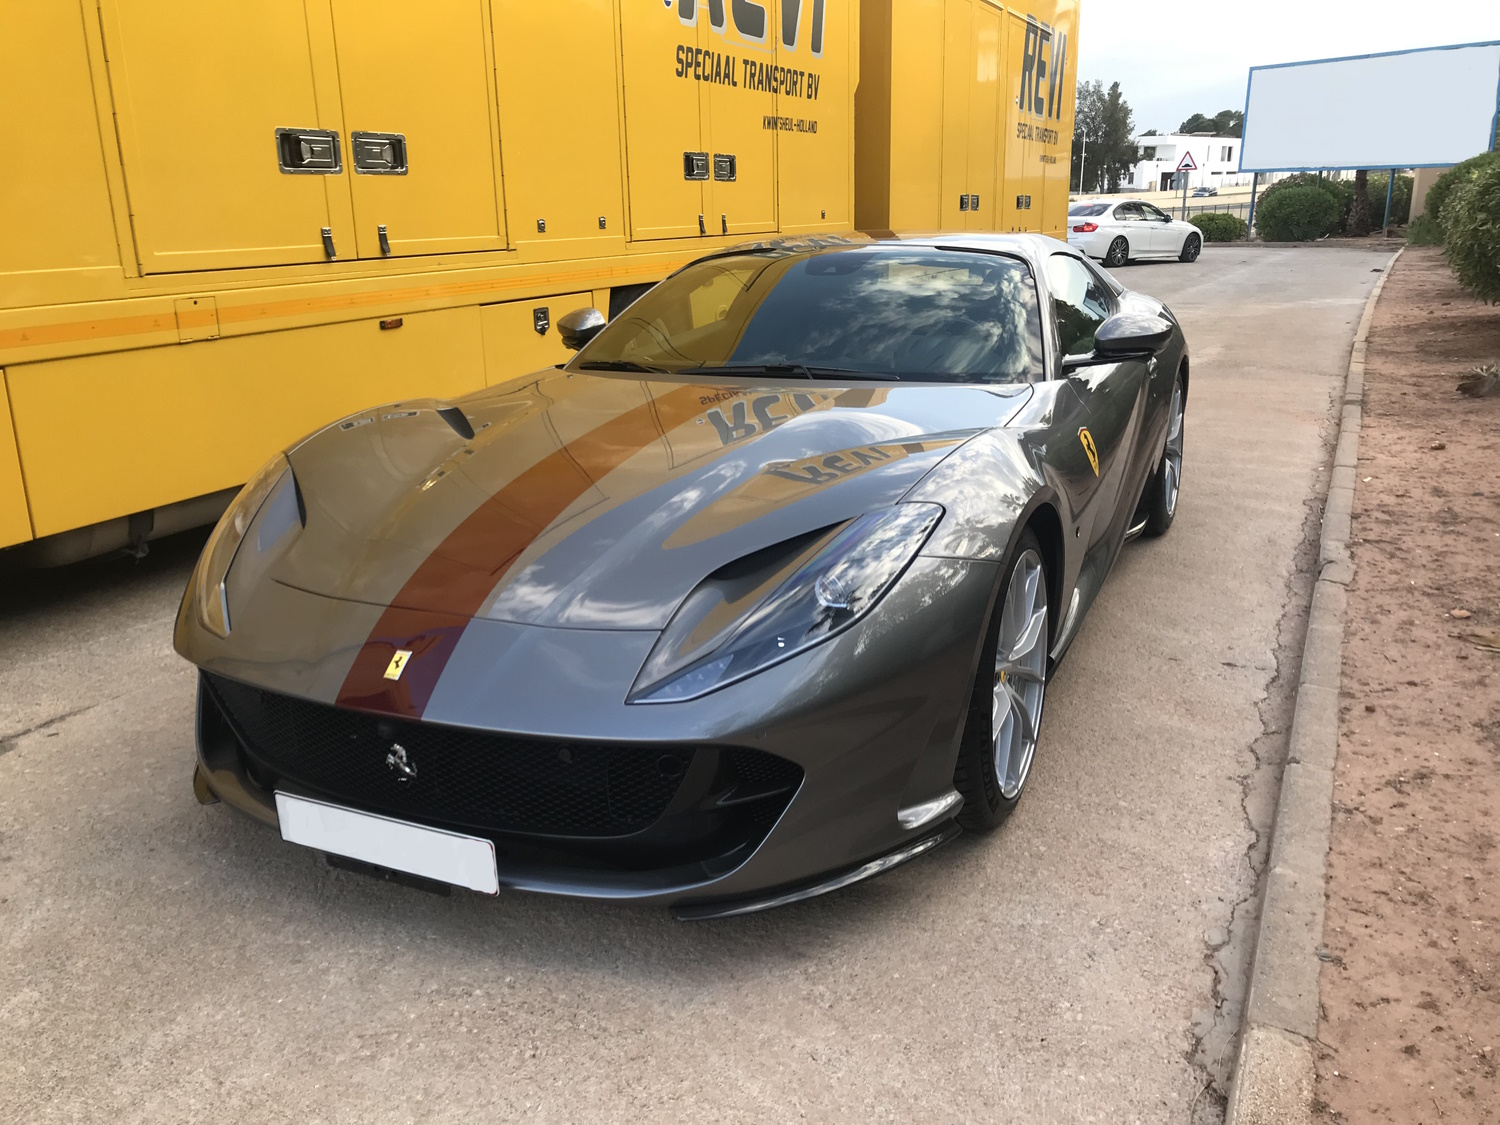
(1405,109)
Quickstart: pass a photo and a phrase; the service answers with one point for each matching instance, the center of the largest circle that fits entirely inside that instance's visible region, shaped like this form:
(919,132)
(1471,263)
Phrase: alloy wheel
(1020,674)
(1172,459)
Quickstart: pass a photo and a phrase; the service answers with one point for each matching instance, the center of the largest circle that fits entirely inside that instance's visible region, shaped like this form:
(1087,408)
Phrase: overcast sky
(1174,58)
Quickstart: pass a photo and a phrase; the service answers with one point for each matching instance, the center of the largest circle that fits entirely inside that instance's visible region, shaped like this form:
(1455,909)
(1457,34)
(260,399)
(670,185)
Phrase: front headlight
(218,554)
(722,632)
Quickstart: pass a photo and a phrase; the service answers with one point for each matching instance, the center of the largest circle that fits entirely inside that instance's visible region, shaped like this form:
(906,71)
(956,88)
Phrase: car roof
(1033,248)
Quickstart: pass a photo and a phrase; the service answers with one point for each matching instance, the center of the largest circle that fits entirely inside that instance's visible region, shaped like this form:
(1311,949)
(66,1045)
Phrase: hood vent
(458,420)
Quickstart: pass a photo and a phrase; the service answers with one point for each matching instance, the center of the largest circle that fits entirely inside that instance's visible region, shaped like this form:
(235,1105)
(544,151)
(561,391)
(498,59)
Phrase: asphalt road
(164,962)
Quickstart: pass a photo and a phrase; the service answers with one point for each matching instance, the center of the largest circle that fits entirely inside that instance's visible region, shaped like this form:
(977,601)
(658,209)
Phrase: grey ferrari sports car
(756,597)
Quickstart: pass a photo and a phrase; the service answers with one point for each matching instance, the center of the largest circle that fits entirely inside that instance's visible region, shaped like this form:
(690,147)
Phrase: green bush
(1341,192)
(1297,214)
(1442,187)
(1400,200)
(1219,226)
(1471,233)
(1424,231)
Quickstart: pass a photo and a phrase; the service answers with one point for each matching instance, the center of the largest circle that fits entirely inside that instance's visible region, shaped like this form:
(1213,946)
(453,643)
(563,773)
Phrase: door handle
(1151,366)
(308,152)
(378,154)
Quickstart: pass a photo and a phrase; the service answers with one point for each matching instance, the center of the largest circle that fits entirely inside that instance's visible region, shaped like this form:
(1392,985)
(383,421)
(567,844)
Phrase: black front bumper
(637,816)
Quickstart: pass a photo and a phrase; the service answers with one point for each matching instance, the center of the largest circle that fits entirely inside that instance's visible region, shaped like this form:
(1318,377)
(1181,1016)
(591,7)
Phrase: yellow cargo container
(965,115)
(225,225)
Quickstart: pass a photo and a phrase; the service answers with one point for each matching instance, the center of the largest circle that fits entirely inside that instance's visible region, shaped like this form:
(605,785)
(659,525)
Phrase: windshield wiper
(621,365)
(801,370)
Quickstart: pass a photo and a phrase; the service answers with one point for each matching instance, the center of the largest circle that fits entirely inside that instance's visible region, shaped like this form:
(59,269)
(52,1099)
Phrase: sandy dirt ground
(1411,975)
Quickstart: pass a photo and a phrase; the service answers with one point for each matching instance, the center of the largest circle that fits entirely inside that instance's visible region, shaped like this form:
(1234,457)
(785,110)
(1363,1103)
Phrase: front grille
(494,782)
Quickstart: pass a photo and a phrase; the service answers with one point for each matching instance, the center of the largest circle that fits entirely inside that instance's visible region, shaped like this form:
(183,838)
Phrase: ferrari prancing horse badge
(398,662)
(1088,447)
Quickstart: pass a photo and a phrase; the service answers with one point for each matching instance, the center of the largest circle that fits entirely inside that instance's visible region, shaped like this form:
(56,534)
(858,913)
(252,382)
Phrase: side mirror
(579,327)
(1131,333)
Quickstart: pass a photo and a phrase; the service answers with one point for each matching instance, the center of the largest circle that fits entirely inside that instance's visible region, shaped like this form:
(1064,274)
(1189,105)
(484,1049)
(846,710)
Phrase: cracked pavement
(163,961)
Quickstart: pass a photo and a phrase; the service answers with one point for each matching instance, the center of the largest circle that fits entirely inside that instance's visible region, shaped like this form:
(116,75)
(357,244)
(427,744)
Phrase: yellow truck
(223,225)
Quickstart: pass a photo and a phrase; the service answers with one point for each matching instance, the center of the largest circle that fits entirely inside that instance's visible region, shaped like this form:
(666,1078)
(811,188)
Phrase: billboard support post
(1250,222)
(1390,189)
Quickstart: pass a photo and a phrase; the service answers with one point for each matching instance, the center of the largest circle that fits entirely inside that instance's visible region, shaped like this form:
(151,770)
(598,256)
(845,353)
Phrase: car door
(1164,238)
(1111,393)
(1132,224)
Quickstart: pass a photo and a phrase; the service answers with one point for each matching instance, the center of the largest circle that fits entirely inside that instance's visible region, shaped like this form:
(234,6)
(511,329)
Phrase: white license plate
(448,857)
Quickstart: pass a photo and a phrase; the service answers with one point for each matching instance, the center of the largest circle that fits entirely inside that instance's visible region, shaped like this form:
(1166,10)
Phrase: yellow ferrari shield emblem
(397,665)
(1088,447)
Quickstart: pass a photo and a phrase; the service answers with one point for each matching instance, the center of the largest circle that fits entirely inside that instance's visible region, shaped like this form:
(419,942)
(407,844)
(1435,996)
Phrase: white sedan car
(1116,231)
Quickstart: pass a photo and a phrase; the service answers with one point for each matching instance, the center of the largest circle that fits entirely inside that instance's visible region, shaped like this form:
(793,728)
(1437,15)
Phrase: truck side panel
(105,436)
(559,99)
(15,521)
(916,54)
(199,92)
(814,163)
(57,237)
(434,88)
(514,340)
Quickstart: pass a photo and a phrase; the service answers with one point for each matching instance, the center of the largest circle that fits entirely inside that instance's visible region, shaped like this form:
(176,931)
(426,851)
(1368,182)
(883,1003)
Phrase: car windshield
(872,311)
(1086,209)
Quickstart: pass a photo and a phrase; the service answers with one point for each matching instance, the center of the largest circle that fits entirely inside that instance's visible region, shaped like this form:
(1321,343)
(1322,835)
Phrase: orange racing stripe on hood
(457,577)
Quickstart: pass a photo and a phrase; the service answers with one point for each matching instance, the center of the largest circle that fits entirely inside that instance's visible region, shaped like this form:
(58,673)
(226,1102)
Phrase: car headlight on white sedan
(210,596)
(749,616)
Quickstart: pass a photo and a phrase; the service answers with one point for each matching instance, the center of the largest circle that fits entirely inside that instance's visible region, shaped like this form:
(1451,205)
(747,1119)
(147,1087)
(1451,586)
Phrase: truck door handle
(308,152)
(378,154)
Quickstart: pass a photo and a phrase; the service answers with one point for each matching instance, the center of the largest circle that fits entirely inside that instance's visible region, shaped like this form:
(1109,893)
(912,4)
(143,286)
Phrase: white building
(1217,158)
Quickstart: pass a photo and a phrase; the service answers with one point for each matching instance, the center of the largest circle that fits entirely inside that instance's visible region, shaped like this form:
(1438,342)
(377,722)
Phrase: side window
(1128,212)
(1153,214)
(1080,304)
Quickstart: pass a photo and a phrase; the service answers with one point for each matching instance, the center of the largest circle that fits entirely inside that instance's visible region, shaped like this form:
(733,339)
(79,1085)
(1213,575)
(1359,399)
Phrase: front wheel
(1118,253)
(1005,708)
(1191,249)
(1165,484)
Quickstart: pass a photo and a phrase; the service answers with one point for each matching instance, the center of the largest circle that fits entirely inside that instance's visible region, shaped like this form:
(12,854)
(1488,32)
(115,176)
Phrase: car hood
(595,501)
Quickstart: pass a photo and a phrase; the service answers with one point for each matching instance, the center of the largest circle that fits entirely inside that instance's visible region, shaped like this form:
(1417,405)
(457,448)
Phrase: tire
(993,765)
(1191,248)
(1118,253)
(1165,485)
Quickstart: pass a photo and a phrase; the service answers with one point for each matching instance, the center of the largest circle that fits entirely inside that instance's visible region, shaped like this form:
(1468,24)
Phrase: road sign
(1187,163)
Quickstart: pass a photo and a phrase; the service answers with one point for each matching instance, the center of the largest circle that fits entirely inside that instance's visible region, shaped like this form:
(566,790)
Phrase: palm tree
(1359,213)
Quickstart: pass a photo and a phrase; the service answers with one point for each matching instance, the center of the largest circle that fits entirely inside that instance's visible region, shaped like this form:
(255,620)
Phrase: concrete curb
(1274,1074)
